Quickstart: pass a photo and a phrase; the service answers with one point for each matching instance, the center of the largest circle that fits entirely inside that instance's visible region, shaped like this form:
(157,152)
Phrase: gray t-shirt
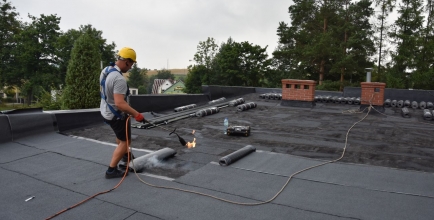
(115,84)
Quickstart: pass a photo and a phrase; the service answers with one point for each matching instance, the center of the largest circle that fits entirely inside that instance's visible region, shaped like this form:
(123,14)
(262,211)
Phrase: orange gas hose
(103,192)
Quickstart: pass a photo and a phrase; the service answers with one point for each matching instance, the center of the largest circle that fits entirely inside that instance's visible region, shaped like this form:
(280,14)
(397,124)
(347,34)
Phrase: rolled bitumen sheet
(23,125)
(182,108)
(394,103)
(405,113)
(335,99)
(207,111)
(149,159)
(427,115)
(217,100)
(414,105)
(422,105)
(400,104)
(351,100)
(430,105)
(344,100)
(357,101)
(246,106)
(407,103)
(318,98)
(236,102)
(387,103)
(231,158)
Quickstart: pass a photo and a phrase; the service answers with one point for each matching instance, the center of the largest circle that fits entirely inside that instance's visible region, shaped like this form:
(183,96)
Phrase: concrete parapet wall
(216,92)
(161,102)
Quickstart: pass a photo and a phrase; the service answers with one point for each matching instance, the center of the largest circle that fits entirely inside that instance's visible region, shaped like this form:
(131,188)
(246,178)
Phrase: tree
(423,76)
(406,35)
(206,52)
(240,64)
(66,42)
(9,27)
(387,7)
(135,78)
(82,79)
(193,82)
(35,54)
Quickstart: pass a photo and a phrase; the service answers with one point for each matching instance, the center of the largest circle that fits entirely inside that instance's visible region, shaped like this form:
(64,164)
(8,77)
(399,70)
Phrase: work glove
(140,118)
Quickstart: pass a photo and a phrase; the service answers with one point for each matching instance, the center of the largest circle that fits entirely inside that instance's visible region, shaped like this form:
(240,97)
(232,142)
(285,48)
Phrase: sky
(165,33)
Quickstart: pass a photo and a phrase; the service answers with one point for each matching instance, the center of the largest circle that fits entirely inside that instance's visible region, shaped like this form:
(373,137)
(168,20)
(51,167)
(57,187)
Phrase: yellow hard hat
(127,53)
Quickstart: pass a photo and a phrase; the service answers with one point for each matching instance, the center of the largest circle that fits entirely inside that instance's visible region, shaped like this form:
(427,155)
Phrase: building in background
(176,88)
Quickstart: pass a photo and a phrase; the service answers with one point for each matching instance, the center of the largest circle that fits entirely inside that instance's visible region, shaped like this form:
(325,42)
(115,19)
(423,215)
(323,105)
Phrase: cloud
(166,33)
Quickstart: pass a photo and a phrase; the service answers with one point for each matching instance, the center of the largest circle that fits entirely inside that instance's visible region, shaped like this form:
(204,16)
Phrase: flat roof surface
(385,173)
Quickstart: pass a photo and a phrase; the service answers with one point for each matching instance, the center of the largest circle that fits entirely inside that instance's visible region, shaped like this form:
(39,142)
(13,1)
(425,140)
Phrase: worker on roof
(115,108)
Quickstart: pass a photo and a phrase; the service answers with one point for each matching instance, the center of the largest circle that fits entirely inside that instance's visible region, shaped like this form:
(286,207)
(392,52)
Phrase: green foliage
(66,42)
(82,78)
(142,89)
(135,79)
(9,27)
(35,56)
(329,85)
(48,102)
(193,81)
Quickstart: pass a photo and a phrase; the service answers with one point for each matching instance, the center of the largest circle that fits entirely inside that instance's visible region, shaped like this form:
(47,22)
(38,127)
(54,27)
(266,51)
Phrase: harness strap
(107,71)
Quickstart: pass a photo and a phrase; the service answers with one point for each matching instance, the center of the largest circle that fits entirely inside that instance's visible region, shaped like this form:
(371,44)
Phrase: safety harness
(107,71)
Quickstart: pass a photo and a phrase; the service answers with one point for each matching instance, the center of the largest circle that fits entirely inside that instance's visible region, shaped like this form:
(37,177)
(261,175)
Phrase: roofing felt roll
(231,158)
(357,101)
(414,105)
(23,125)
(405,112)
(427,115)
(151,159)
(387,103)
(394,103)
(422,105)
(430,105)
(407,103)
(400,104)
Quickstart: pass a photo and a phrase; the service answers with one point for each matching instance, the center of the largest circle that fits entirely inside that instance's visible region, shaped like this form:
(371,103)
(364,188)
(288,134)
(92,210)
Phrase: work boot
(125,157)
(114,174)
(123,166)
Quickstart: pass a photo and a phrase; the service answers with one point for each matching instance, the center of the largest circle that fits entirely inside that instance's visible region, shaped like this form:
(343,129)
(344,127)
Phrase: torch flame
(191,144)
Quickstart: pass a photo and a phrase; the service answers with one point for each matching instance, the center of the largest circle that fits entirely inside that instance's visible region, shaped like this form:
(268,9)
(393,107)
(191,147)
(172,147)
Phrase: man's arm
(123,106)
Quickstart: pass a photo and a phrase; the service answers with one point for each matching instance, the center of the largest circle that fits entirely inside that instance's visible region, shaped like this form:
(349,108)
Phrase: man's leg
(119,152)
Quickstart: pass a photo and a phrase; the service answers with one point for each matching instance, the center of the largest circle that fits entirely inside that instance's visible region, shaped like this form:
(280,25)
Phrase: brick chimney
(372,92)
(298,93)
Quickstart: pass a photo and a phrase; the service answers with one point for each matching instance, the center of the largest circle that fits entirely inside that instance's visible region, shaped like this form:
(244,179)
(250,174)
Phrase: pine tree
(406,36)
(82,77)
